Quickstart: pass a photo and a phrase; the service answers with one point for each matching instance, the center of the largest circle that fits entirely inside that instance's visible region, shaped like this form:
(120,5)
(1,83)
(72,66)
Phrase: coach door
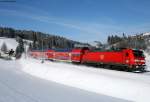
(126,58)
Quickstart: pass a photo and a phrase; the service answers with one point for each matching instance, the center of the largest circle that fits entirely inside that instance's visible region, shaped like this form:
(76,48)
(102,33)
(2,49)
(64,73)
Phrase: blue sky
(81,20)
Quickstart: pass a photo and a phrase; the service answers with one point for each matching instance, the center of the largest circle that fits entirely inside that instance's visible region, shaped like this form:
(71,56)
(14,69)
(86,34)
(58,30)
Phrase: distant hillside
(139,41)
(48,40)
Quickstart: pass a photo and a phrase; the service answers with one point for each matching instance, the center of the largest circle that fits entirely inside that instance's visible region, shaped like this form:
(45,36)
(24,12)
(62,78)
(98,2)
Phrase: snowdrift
(124,85)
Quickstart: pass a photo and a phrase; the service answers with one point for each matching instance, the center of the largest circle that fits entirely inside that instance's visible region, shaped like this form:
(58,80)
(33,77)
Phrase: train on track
(123,59)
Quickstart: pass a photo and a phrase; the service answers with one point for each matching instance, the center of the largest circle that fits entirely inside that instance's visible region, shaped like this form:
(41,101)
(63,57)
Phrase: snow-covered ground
(147,61)
(10,42)
(17,86)
(124,85)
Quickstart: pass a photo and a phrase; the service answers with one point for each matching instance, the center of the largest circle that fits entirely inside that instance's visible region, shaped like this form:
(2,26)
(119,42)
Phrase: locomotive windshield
(138,53)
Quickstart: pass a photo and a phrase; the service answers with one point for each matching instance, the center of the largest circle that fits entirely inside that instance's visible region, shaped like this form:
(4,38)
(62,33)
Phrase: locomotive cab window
(138,53)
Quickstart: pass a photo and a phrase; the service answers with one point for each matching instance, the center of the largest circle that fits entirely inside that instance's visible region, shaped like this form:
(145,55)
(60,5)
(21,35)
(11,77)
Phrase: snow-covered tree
(4,48)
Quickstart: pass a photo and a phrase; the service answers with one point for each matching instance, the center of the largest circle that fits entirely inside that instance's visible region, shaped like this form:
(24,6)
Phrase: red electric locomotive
(128,59)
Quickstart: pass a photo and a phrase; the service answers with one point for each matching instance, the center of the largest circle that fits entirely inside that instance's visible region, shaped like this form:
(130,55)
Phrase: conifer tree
(4,48)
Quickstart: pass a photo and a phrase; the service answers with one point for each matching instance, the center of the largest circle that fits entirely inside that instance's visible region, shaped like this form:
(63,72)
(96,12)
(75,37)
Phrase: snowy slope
(10,42)
(17,86)
(117,84)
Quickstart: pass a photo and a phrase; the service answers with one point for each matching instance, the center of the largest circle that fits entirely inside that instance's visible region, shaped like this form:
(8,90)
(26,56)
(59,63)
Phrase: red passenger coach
(49,54)
(62,55)
(36,53)
(78,53)
(59,54)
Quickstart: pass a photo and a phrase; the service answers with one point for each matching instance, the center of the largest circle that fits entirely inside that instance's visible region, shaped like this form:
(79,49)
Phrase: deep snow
(124,85)
(17,86)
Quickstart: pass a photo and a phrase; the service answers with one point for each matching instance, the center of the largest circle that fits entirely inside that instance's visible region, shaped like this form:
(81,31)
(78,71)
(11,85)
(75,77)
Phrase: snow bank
(147,58)
(128,86)
(10,42)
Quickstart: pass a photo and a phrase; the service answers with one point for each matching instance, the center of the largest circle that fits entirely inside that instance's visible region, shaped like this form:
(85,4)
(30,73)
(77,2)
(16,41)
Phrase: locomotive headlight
(136,60)
(142,60)
(127,61)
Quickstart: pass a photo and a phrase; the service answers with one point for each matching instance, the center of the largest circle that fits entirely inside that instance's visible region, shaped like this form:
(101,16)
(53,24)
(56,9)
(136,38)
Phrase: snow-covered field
(17,86)
(124,85)
(11,43)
